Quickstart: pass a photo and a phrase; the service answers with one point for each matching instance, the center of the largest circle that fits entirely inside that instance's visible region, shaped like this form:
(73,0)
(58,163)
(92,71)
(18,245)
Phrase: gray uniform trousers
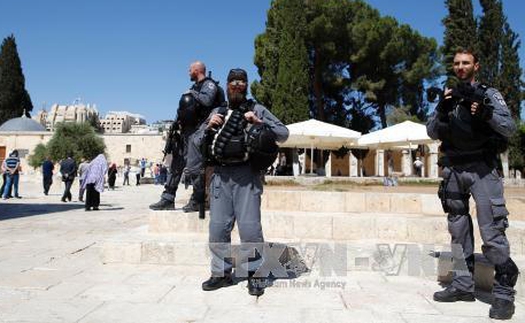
(176,168)
(235,197)
(486,187)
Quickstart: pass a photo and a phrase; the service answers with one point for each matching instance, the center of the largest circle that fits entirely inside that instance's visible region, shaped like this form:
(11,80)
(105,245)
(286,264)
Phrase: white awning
(405,133)
(321,135)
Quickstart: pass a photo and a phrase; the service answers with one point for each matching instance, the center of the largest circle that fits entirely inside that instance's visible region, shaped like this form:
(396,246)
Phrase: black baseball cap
(237,74)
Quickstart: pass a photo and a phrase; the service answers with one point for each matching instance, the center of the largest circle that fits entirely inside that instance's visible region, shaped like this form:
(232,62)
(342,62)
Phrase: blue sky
(134,54)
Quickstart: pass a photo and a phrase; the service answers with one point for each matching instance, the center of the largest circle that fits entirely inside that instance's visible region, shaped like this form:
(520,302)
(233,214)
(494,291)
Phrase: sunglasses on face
(237,83)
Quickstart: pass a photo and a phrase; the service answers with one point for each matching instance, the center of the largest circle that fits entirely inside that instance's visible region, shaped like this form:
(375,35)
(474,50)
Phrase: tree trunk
(318,86)
(382,115)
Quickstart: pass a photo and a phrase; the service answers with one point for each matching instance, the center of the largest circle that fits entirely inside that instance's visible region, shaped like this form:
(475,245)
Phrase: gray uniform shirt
(206,95)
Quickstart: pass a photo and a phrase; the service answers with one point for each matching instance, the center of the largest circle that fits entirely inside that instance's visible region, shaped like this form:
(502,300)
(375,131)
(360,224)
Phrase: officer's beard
(235,99)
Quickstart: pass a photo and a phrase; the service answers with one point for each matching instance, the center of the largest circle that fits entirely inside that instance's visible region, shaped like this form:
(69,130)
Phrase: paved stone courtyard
(51,271)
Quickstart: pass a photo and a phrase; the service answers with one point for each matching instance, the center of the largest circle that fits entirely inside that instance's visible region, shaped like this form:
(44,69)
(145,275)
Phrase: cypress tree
(290,100)
(282,61)
(14,98)
(460,31)
(510,83)
(490,35)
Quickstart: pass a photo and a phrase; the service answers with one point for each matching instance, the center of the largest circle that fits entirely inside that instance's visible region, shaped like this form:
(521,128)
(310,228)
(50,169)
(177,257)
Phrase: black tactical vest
(203,112)
(227,145)
(468,135)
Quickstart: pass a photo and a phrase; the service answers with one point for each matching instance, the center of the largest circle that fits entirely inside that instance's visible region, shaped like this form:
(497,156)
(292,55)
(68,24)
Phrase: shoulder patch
(211,85)
(497,96)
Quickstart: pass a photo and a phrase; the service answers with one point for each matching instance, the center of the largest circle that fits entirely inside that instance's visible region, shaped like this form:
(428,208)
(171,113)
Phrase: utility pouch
(442,194)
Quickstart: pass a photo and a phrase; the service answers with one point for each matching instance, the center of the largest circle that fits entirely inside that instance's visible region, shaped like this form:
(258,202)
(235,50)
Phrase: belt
(465,159)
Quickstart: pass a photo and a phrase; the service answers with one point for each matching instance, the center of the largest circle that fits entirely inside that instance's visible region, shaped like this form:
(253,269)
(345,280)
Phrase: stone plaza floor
(51,271)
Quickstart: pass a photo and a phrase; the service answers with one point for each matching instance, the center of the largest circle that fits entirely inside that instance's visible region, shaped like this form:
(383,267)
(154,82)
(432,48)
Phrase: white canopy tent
(405,133)
(321,135)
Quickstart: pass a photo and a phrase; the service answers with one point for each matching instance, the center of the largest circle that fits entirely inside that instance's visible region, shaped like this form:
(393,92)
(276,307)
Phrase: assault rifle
(173,141)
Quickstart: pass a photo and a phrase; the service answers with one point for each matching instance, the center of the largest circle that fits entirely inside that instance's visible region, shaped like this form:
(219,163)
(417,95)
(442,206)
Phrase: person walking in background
(81,169)
(142,164)
(11,168)
(418,166)
(112,176)
(126,174)
(93,181)
(47,174)
(68,169)
(137,172)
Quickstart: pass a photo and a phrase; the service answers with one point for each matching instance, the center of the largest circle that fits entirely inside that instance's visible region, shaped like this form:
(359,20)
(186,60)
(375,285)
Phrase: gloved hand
(484,112)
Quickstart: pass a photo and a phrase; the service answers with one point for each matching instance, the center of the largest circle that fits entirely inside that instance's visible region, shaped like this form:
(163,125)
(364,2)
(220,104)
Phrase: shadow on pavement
(19,210)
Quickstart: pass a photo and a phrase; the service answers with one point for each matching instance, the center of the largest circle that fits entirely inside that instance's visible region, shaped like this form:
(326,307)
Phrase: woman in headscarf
(112,176)
(93,181)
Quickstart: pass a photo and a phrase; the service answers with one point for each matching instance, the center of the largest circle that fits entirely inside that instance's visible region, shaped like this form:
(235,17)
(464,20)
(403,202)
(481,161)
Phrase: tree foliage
(359,65)
(14,98)
(517,148)
(509,81)
(36,159)
(283,60)
(460,31)
(77,138)
(489,41)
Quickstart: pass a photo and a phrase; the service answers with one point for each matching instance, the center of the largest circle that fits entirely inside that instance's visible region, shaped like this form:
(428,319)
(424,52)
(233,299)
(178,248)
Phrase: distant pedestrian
(93,181)
(112,176)
(68,169)
(418,166)
(126,174)
(11,168)
(81,169)
(47,174)
(142,164)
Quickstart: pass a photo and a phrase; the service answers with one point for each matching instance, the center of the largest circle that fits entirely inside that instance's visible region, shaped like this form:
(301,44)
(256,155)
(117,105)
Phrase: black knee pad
(457,207)
(507,273)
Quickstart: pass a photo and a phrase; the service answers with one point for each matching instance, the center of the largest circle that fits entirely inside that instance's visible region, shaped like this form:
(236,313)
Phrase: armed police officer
(241,142)
(474,125)
(194,107)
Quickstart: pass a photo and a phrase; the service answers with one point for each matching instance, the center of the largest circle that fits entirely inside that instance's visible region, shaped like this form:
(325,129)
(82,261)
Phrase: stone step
(315,257)
(424,229)
(368,202)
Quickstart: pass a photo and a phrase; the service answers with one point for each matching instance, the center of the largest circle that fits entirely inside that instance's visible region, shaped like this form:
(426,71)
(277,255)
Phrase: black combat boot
(162,205)
(215,282)
(190,207)
(506,275)
(452,294)
(256,285)
(501,309)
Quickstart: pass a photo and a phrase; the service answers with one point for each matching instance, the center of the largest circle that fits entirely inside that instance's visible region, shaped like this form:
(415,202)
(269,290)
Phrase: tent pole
(311,158)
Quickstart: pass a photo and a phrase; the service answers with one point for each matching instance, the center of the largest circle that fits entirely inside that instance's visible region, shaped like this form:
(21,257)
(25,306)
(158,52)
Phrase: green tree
(510,83)
(460,31)
(489,44)
(36,159)
(351,50)
(78,138)
(14,98)
(391,66)
(516,149)
(284,87)
(94,121)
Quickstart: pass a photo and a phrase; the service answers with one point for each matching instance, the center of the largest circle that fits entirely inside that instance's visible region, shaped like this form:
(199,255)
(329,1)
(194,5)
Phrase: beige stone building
(24,134)
(121,122)
(65,113)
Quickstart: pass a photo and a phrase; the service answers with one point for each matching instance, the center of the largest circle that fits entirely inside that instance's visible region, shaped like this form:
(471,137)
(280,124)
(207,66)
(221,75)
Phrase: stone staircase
(341,231)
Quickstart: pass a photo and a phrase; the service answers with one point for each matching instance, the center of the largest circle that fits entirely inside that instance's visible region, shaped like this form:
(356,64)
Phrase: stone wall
(148,146)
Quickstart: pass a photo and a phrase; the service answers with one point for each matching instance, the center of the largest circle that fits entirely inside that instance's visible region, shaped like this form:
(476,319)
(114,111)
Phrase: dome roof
(22,124)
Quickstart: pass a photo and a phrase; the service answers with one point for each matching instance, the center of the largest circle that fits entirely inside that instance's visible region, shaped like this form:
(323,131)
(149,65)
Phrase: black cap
(237,74)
